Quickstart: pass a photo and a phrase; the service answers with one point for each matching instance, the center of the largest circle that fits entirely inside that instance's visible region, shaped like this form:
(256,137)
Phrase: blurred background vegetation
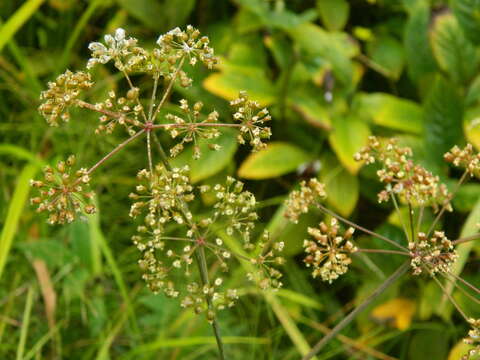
(332,72)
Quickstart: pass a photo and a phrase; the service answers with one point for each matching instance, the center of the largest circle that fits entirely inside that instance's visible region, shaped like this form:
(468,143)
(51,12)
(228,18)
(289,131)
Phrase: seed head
(300,201)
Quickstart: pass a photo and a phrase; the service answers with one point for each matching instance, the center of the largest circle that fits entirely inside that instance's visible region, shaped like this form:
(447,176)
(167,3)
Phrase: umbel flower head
(177,44)
(473,339)
(63,192)
(300,201)
(432,255)
(161,198)
(411,182)
(61,94)
(189,130)
(465,158)
(252,118)
(329,253)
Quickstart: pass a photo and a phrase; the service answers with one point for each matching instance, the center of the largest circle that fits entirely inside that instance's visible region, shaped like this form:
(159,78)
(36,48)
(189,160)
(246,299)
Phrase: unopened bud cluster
(411,182)
(432,255)
(63,192)
(465,158)
(299,201)
(61,94)
(473,339)
(188,129)
(252,117)
(329,253)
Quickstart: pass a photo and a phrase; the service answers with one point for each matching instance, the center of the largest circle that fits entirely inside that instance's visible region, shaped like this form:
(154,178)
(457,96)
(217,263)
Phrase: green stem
(348,319)
(201,261)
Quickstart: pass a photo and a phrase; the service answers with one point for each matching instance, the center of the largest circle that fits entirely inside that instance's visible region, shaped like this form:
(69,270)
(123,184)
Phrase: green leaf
(421,345)
(467,13)
(388,53)
(15,209)
(15,22)
(391,112)
(335,48)
(334,13)
(212,161)
(443,119)
(454,53)
(279,158)
(461,349)
(348,136)
(418,53)
(159,15)
(340,186)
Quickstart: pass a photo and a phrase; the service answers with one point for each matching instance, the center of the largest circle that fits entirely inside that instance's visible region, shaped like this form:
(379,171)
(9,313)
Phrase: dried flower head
(433,255)
(329,253)
(252,117)
(473,339)
(177,44)
(465,158)
(124,52)
(63,193)
(299,201)
(187,128)
(411,182)
(61,94)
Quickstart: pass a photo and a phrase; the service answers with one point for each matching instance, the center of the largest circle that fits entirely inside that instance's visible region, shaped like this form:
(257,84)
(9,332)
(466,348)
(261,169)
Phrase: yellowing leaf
(277,159)
(397,312)
(471,126)
(348,136)
(461,349)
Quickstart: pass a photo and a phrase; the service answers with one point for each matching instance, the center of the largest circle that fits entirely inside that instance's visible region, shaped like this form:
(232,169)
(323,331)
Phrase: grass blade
(25,324)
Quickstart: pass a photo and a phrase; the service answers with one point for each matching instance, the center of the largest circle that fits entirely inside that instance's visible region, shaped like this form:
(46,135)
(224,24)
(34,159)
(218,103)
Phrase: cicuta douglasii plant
(431,253)
(164,193)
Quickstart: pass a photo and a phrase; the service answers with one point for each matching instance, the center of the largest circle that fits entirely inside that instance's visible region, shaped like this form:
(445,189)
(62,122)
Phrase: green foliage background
(332,72)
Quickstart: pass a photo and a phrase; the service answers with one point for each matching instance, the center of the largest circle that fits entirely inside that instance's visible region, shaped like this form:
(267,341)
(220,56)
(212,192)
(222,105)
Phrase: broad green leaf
(473,93)
(467,13)
(348,136)
(334,13)
(277,159)
(340,186)
(388,53)
(159,15)
(418,53)
(466,197)
(391,112)
(309,105)
(212,161)
(454,53)
(471,126)
(335,48)
(443,119)
(421,344)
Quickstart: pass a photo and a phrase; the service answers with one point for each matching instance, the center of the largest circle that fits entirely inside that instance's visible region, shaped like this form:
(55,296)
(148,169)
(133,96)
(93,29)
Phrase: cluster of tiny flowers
(433,255)
(237,207)
(473,339)
(61,94)
(300,201)
(465,158)
(409,181)
(63,192)
(123,51)
(329,253)
(189,130)
(252,118)
(125,105)
(177,44)
(162,193)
